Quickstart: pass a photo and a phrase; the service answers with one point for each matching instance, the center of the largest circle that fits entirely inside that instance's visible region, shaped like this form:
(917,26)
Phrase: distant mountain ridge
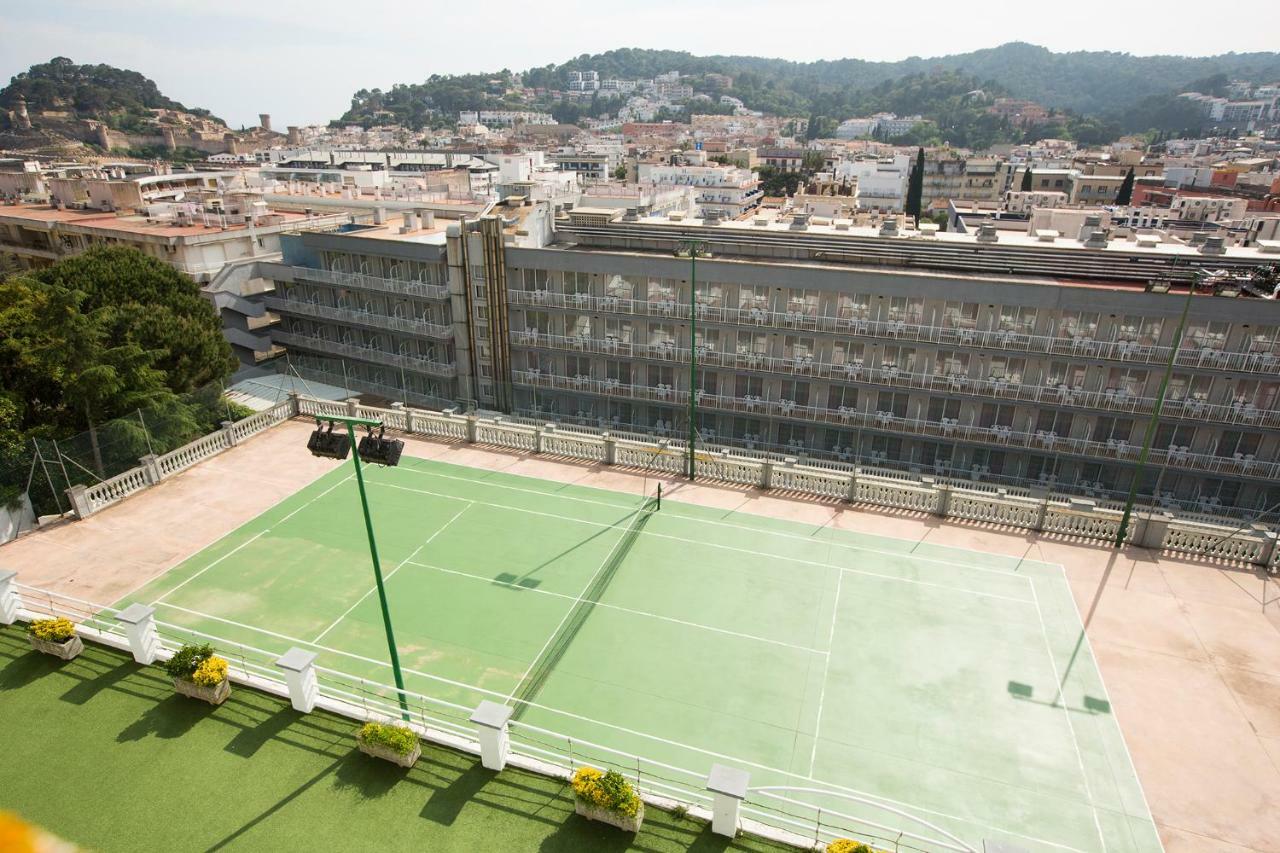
(1095,82)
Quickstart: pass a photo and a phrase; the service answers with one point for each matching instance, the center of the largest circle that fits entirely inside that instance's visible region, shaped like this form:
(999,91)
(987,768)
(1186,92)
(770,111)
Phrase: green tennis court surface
(947,683)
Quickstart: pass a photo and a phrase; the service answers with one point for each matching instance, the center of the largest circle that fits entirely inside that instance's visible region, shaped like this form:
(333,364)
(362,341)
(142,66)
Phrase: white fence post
(728,786)
(79,501)
(295,405)
(610,449)
(471,429)
(139,622)
(1042,510)
(766,474)
(299,667)
(491,720)
(9,600)
(352,403)
(228,433)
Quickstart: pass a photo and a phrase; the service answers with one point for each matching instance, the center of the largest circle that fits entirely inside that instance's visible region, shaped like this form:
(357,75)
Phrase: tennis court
(950,684)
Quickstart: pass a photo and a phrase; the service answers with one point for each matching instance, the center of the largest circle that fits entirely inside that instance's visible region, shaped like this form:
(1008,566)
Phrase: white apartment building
(882,183)
(724,191)
(1208,208)
(503,118)
(584,81)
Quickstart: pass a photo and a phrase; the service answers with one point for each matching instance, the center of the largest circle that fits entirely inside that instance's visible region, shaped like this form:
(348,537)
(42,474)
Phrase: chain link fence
(44,468)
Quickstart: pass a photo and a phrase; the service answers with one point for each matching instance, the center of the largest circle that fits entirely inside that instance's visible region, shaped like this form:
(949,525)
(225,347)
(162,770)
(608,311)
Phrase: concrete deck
(1190,651)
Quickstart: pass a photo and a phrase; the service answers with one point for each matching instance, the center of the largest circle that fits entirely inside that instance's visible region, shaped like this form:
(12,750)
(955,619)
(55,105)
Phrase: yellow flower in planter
(16,836)
(57,630)
(848,845)
(211,672)
(606,790)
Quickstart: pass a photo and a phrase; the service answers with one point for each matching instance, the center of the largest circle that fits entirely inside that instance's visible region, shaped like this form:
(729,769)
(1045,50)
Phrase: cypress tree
(915,187)
(1026,179)
(1125,194)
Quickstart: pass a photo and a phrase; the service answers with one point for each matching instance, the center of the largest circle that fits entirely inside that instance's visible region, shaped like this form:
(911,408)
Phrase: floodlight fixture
(327,443)
(380,450)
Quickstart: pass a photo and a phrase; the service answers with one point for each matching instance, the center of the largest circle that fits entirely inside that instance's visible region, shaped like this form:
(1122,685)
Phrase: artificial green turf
(953,684)
(101,752)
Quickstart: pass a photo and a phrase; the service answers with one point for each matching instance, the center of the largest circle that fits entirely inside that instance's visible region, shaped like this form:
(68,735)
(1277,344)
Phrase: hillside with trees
(121,98)
(1094,96)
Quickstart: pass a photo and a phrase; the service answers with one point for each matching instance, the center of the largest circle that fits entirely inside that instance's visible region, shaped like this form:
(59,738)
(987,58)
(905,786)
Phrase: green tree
(1125,194)
(100,335)
(620,173)
(1026,179)
(915,187)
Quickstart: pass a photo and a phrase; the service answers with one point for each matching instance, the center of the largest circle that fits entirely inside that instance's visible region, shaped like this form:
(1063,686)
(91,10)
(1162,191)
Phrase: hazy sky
(302,61)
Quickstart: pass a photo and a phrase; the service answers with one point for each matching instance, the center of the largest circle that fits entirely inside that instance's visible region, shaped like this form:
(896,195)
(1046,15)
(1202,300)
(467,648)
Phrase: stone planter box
(388,754)
(65,650)
(626,824)
(215,695)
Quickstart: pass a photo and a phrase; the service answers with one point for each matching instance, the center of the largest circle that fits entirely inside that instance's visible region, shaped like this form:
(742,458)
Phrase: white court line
(947,587)
(392,573)
(1107,693)
(252,539)
(569,612)
(846,545)
(1057,680)
(621,609)
(826,669)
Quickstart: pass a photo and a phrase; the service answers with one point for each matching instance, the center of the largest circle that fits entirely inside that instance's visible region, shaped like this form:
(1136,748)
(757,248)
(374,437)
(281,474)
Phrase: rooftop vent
(760,221)
(632,215)
(711,217)
(1197,239)
(800,222)
(676,216)
(1097,239)
(1046,235)
(889,228)
(842,224)
(987,233)
(1269,247)
(1213,246)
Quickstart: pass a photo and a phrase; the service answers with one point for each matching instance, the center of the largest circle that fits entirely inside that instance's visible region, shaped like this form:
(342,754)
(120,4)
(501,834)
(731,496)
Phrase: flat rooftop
(1188,651)
(44,217)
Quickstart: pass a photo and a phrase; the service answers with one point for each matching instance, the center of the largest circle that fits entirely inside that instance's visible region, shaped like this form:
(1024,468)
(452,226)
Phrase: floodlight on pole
(378,450)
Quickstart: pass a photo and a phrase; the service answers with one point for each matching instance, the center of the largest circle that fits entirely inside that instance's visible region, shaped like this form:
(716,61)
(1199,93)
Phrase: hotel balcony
(1109,400)
(369,354)
(372,320)
(950,430)
(370,282)
(1078,346)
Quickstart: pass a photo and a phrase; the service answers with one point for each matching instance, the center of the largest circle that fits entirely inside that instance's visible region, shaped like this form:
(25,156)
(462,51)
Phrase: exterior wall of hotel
(949,374)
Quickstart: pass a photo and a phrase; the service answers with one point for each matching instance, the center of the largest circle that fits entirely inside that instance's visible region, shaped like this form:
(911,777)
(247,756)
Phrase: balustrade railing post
(299,668)
(10,601)
(228,433)
(610,449)
(80,504)
(728,787)
(151,468)
(1041,497)
(491,719)
(139,622)
(471,428)
(295,404)
(766,474)
(1268,550)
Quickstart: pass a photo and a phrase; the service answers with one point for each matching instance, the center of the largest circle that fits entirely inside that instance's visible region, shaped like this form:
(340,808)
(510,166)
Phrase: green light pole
(1155,415)
(692,248)
(352,423)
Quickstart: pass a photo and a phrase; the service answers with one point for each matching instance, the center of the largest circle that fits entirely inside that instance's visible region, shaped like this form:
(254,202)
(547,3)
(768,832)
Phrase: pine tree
(1026,179)
(915,188)
(1125,194)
